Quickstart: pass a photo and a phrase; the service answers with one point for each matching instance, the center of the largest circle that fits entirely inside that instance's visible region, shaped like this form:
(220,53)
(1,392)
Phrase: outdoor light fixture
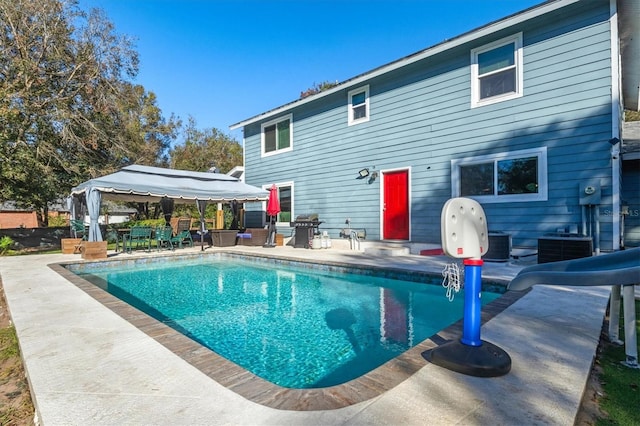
(368,172)
(615,150)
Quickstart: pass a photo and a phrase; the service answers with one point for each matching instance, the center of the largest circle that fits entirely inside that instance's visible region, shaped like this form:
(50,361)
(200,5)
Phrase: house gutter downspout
(614,300)
(616,118)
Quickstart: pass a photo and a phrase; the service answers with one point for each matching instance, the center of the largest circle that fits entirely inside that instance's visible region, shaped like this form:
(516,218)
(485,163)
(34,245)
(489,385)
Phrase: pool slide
(621,268)
(618,268)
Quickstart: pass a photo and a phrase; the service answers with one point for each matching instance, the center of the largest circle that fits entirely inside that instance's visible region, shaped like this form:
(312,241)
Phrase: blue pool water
(297,327)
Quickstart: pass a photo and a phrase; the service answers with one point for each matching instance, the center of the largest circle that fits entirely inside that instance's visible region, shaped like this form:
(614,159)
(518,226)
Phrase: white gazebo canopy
(143,183)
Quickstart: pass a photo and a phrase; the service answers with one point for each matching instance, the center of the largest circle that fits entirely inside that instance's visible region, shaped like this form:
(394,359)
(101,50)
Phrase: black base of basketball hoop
(486,360)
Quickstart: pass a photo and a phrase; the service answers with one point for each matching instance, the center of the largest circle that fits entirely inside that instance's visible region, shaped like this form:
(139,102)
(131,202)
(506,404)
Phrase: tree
(67,112)
(200,151)
(203,149)
(317,88)
(146,132)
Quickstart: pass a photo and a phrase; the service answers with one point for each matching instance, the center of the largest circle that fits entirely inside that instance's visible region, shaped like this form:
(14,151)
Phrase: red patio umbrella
(273,205)
(273,208)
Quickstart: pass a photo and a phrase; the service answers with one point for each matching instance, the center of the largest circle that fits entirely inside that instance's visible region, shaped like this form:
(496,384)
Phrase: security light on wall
(363,173)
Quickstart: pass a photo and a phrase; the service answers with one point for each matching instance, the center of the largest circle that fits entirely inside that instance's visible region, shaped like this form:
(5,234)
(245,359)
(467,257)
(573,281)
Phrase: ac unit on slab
(556,247)
(499,247)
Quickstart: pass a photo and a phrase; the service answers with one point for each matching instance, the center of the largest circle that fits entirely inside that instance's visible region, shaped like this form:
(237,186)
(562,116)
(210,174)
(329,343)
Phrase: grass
(16,407)
(621,400)
(8,345)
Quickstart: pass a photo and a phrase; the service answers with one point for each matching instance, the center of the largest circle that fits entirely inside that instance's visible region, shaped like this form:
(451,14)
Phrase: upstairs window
(496,71)
(504,177)
(276,136)
(359,105)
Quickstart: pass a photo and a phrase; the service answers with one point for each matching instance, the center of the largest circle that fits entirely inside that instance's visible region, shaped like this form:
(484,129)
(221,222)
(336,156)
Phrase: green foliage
(284,217)
(57,221)
(8,343)
(16,406)
(67,109)
(5,244)
(143,222)
(317,88)
(186,210)
(203,149)
(147,134)
(620,384)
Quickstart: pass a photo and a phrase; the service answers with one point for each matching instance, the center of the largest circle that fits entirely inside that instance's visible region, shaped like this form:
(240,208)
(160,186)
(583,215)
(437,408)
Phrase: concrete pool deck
(89,366)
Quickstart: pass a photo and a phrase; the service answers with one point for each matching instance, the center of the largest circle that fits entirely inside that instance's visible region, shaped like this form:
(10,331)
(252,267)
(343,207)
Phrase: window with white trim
(359,105)
(285,196)
(277,135)
(505,177)
(496,71)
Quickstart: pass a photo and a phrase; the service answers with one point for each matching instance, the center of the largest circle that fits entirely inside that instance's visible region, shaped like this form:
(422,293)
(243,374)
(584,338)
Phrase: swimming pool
(294,325)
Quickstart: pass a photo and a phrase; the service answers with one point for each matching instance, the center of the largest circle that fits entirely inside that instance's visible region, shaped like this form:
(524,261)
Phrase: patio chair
(164,237)
(78,230)
(138,235)
(183,233)
(182,238)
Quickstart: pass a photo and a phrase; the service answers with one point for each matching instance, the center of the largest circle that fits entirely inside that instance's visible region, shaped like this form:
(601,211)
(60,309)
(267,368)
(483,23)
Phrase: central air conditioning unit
(499,247)
(557,247)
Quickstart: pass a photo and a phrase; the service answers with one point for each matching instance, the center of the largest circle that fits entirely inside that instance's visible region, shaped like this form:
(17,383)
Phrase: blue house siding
(421,118)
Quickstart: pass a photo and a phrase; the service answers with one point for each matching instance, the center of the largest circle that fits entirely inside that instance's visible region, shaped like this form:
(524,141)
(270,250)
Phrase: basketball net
(451,280)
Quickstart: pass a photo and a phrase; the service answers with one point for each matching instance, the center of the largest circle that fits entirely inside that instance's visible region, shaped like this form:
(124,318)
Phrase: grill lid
(312,217)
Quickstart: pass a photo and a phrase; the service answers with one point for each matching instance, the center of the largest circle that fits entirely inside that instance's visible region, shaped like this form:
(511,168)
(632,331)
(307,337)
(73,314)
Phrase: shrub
(5,244)
(57,221)
(145,222)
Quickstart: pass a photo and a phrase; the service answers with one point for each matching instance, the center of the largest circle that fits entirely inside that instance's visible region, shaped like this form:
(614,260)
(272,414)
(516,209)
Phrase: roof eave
(493,27)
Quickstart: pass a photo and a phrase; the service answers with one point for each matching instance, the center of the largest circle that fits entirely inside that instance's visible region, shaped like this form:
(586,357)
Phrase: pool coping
(254,388)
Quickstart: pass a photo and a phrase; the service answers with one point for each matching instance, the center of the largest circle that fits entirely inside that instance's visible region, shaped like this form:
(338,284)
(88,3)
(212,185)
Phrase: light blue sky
(224,61)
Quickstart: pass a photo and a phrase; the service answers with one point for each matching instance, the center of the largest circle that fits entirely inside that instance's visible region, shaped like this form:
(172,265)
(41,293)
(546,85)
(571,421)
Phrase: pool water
(293,326)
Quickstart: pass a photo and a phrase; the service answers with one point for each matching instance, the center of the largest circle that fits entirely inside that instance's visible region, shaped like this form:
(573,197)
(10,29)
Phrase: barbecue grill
(306,225)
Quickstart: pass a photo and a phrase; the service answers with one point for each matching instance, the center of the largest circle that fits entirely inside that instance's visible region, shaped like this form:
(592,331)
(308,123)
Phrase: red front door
(395,209)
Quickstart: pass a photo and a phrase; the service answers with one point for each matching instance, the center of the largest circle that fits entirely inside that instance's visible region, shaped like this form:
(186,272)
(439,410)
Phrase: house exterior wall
(23,219)
(18,220)
(421,119)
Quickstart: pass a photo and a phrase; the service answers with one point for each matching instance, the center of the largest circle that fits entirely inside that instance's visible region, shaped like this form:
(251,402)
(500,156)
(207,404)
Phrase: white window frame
(541,195)
(475,78)
(271,123)
(278,185)
(350,108)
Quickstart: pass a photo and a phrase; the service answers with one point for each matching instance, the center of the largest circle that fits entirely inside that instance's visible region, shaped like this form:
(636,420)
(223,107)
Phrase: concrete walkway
(88,366)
